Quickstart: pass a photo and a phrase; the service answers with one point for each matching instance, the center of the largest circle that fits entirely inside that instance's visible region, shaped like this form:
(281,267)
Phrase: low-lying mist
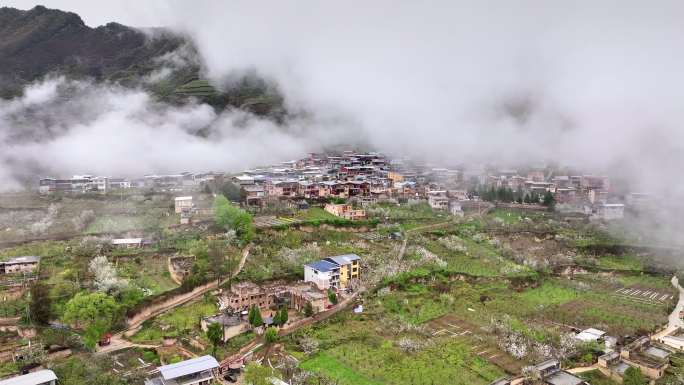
(594,85)
(61,127)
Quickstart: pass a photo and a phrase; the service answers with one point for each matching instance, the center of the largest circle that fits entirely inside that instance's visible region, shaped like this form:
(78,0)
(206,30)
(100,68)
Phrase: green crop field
(197,87)
(356,354)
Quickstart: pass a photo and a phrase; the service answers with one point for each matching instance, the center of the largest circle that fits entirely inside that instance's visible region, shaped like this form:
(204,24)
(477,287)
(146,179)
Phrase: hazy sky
(137,13)
(593,83)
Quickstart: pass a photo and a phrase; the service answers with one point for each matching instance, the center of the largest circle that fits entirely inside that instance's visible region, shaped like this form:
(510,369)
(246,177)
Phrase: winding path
(118,341)
(673,321)
(133,324)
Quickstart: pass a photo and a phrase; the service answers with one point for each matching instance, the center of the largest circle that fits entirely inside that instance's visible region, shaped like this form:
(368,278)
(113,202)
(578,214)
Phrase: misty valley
(341,194)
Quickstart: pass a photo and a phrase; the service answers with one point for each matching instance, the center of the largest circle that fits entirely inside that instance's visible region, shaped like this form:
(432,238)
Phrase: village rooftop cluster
(345,185)
(349,181)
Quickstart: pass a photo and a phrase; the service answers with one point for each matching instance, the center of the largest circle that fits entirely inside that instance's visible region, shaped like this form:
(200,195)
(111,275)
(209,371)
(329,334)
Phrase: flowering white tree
(44,224)
(106,277)
(83,219)
(453,243)
(409,345)
(309,345)
(229,236)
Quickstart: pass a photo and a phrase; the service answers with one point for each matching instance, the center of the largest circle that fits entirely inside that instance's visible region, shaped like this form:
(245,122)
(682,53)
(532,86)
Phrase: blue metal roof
(322,265)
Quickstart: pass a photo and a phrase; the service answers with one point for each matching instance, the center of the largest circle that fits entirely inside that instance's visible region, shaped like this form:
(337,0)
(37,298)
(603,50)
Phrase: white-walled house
(324,274)
(611,211)
(182,203)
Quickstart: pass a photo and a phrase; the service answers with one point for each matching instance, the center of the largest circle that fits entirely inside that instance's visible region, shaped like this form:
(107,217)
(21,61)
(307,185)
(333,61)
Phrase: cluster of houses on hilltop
(80,184)
(369,177)
(362,176)
(589,194)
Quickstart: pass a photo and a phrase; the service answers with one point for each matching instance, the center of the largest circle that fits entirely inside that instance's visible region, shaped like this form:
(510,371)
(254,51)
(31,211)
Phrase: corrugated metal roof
(187,367)
(126,241)
(34,378)
(344,259)
(23,259)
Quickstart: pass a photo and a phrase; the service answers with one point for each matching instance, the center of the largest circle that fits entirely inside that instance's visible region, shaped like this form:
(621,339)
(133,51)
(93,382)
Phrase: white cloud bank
(596,84)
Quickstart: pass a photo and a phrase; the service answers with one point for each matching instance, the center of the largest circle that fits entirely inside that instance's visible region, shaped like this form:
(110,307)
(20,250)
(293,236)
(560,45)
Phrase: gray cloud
(108,130)
(592,84)
(595,77)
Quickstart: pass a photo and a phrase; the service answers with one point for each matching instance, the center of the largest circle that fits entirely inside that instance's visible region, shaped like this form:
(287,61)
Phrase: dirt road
(118,342)
(673,321)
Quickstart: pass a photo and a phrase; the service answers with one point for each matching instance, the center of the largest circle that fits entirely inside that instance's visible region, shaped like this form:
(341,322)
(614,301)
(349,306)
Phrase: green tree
(332,297)
(129,297)
(283,316)
(40,307)
(254,316)
(548,200)
(633,376)
(256,374)
(215,335)
(94,332)
(271,335)
(534,198)
(491,195)
(217,256)
(308,309)
(232,191)
(88,309)
(234,218)
(280,317)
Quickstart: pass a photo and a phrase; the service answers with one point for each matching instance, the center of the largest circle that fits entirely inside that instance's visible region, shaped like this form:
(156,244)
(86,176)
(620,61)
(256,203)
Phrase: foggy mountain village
(312,193)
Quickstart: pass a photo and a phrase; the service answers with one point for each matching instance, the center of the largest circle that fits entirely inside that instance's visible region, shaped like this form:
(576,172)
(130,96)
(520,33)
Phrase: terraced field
(197,87)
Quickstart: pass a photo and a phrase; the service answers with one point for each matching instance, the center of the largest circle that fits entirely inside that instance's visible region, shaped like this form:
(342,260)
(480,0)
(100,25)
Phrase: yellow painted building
(350,268)
(395,177)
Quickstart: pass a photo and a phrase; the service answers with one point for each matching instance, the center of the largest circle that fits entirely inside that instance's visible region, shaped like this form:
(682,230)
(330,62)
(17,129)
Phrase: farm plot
(446,361)
(648,296)
(468,333)
(271,221)
(372,236)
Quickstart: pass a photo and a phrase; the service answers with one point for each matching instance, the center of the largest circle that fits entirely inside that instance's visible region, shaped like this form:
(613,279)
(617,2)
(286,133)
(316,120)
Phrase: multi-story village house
(244,295)
(324,274)
(308,190)
(345,211)
(338,272)
(282,188)
(254,195)
(349,268)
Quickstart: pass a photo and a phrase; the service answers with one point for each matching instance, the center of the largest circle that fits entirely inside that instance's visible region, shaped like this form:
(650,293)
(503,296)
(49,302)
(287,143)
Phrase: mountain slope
(44,41)
(40,41)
